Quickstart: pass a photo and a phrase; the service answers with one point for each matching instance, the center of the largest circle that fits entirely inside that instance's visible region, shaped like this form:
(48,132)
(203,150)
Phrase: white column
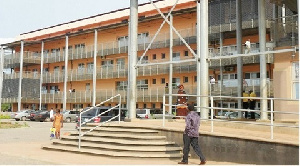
(66,73)
(171,65)
(262,57)
(239,37)
(128,69)
(41,75)
(21,76)
(198,57)
(133,57)
(203,58)
(1,75)
(95,68)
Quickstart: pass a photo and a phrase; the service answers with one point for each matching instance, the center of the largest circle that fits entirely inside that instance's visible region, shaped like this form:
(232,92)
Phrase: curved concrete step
(118,147)
(118,141)
(127,130)
(111,153)
(121,135)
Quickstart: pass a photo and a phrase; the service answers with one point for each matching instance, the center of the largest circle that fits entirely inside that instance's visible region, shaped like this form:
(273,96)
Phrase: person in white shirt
(248,46)
(51,114)
(212,83)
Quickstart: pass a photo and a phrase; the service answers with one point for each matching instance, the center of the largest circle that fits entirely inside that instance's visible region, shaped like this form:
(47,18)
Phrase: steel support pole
(204,57)
(263,69)
(198,57)
(41,75)
(66,73)
(128,69)
(21,76)
(170,87)
(133,57)
(239,38)
(95,68)
(1,76)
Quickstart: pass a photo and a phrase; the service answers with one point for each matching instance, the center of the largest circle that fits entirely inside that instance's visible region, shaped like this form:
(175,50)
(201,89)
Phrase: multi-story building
(108,34)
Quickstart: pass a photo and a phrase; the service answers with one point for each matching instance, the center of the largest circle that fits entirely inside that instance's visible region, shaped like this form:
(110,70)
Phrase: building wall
(283,82)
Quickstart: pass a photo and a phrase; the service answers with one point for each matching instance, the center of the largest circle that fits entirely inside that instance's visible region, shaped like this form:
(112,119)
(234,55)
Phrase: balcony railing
(13,60)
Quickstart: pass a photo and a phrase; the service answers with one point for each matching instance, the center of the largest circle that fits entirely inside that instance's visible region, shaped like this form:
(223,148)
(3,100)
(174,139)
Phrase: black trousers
(193,141)
(252,107)
(246,106)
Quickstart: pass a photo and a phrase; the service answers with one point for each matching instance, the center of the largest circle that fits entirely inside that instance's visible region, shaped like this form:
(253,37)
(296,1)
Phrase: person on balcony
(212,83)
(248,46)
(181,102)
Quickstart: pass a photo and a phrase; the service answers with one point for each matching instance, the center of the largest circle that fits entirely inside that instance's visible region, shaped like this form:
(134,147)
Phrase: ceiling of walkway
(291,4)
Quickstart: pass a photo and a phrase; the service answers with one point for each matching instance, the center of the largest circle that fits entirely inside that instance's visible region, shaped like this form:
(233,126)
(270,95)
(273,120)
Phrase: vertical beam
(128,68)
(262,57)
(133,57)
(298,29)
(203,58)
(239,38)
(41,76)
(66,73)
(1,76)
(95,68)
(21,76)
(198,56)
(171,65)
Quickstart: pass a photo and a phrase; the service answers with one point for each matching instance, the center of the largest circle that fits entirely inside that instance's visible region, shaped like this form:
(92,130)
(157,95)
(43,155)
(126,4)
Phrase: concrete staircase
(118,141)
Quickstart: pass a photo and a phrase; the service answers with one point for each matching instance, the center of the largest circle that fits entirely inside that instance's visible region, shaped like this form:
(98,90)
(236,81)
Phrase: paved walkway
(23,145)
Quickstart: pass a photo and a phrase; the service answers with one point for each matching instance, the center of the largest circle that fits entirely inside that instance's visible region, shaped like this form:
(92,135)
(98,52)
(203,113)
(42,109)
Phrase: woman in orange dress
(58,123)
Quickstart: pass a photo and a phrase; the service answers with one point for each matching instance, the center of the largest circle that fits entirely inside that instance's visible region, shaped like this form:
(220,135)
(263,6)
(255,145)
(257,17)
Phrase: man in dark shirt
(190,136)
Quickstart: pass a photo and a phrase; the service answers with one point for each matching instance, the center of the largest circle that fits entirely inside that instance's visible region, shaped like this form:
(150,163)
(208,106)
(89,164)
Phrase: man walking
(190,136)
(252,104)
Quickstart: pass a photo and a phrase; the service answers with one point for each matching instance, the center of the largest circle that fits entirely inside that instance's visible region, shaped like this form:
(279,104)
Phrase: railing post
(272,109)
(164,109)
(120,100)
(211,113)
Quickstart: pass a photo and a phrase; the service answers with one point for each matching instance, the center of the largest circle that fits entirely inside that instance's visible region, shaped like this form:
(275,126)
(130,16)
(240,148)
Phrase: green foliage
(5,107)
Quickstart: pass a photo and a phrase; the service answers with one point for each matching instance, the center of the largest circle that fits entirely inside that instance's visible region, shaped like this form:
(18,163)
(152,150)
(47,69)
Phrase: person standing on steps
(190,136)
(57,123)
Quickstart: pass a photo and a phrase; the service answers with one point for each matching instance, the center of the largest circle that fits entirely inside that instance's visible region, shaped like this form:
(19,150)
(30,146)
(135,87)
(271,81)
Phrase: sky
(21,16)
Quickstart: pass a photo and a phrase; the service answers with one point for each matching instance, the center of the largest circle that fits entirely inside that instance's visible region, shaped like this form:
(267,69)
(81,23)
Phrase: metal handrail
(211,107)
(81,123)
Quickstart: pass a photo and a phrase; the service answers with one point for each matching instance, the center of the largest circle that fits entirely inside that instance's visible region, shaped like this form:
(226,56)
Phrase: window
(145,105)
(163,56)
(79,48)
(55,52)
(175,82)
(295,80)
(185,79)
(69,50)
(142,38)
(81,68)
(186,53)
(142,84)
(154,56)
(252,75)
(121,63)
(56,69)
(153,105)
(144,60)
(90,67)
(163,81)
(153,81)
(176,56)
(107,63)
(121,85)
(195,78)
(77,106)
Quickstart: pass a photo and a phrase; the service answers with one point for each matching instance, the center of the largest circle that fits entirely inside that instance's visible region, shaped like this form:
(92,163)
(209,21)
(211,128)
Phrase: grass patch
(4,116)
(9,125)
